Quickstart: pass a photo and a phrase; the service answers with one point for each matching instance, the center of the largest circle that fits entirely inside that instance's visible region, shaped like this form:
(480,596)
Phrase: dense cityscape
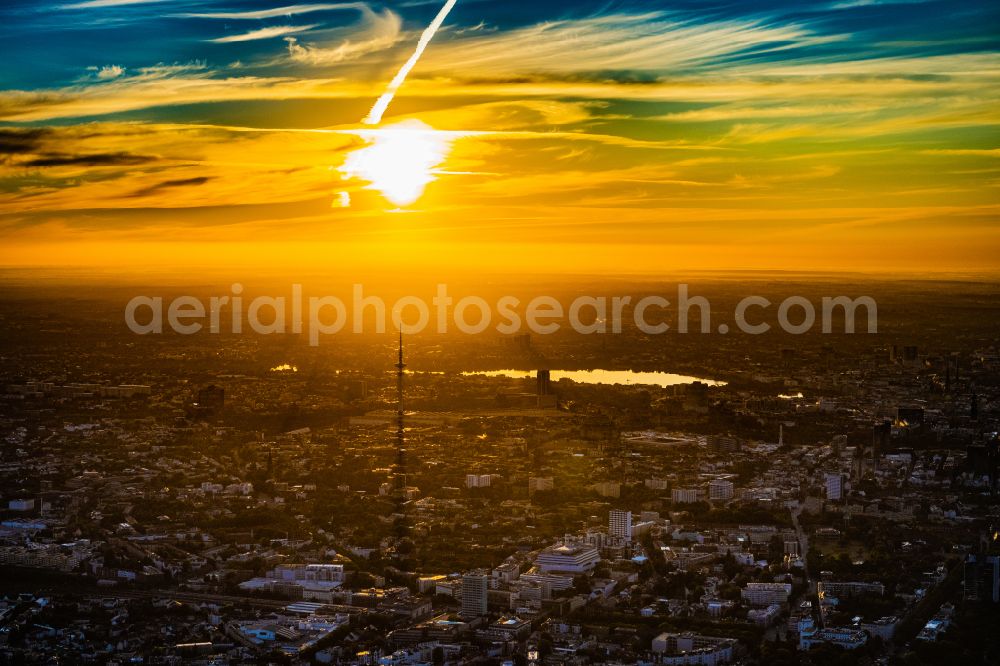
(413,500)
(468,333)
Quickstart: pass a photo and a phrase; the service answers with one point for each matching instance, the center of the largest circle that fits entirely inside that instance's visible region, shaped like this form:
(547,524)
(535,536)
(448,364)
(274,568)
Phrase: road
(803,540)
(41,583)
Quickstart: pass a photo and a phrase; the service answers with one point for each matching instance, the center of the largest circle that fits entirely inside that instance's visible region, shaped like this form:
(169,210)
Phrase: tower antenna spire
(400,367)
(399,480)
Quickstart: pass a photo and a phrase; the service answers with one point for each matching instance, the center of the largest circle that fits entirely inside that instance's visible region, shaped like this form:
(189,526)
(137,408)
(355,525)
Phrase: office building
(834,487)
(688,648)
(720,490)
(766,594)
(540,483)
(479,480)
(884,627)
(982,578)
(848,638)
(684,495)
(849,589)
(567,558)
(721,445)
(543,382)
(620,524)
(475,590)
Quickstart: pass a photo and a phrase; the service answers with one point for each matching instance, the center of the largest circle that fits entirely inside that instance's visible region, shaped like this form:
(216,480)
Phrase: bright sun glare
(398,160)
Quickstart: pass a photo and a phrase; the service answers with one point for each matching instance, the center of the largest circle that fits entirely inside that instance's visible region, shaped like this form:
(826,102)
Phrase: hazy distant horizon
(217,276)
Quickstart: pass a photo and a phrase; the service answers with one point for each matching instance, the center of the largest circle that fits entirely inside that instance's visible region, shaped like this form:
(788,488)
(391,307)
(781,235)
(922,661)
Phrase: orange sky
(633,142)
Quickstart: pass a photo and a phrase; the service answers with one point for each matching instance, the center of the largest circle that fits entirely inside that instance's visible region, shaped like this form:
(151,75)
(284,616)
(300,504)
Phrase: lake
(605,377)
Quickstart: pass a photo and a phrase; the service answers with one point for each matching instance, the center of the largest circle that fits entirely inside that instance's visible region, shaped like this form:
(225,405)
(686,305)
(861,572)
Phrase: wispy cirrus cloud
(969,85)
(97,4)
(157,86)
(378,31)
(688,128)
(263,33)
(643,42)
(851,4)
(277,12)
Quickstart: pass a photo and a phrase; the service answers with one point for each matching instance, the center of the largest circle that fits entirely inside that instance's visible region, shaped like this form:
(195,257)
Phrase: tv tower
(399,477)
(400,367)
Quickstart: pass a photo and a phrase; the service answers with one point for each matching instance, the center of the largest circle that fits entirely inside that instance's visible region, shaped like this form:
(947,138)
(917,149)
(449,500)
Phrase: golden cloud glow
(626,142)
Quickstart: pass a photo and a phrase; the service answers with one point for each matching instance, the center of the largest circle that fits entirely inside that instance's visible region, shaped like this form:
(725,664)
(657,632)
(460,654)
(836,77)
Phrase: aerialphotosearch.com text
(320,316)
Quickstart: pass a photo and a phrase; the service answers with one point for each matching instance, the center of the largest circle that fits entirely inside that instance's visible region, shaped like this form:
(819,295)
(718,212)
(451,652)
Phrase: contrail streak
(375,115)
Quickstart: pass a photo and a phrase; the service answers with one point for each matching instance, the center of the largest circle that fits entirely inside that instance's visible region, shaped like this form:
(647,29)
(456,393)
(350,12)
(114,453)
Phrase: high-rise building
(834,487)
(720,490)
(475,588)
(881,435)
(357,389)
(479,480)
(538,483)
(765,594)
(620,524)
(982,578)
(983,460)
(544,395)
(720,444)
(543,382)
(684,495)
(656,484)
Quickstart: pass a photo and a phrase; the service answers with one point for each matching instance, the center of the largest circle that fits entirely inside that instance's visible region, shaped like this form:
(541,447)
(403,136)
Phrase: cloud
(290,10)
(668,129)
(851,4)
(166,85)
(479,27)
(975,152)
(110,72)
(969,80)
(244,167)
(278,184)
(170,184)
(18,141)
(98,159)
(263,33)
(512,114)
(380,31)
(648,42)
(728,112)
(97,4)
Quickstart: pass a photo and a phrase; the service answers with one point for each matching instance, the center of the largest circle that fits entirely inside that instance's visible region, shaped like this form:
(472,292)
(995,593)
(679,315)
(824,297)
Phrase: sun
(398,160)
